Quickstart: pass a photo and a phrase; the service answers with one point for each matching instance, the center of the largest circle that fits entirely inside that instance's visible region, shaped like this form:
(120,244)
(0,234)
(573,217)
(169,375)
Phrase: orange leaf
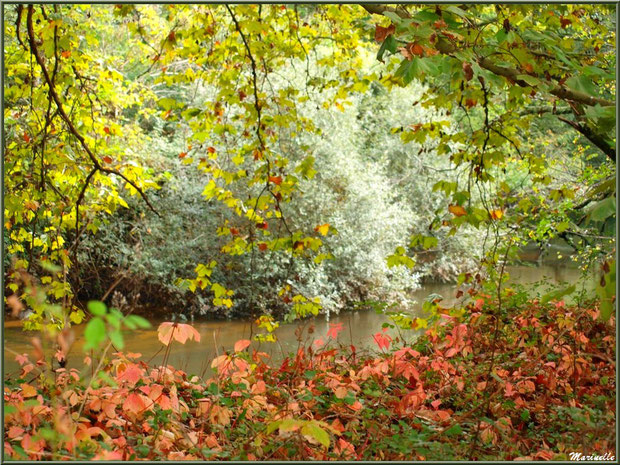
(470,102)
(66,54)
(107,159)
(457,210)
(262,246)
(182,154)
(381,33)
(26,137)
(106,130)
(277,180)
(323,229)
(211,149)
(15,431)
(132,374)
(340,392)
(134,403)
(178,331)
(28,390)
(242,345)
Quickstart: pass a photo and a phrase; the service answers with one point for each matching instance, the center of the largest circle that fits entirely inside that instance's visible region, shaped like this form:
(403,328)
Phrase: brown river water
(220,336)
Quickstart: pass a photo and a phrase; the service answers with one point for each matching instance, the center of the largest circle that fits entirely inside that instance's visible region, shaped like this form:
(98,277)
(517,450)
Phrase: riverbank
(536,383)
(220,335)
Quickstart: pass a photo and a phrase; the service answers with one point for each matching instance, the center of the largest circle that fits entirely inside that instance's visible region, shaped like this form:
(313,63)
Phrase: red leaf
(277,180)
(262,225)
(262,246)
(106,130)
(334,329)
(468,71)
(470,102)
(182,154)
(382,340)
(107,159)
(211,149)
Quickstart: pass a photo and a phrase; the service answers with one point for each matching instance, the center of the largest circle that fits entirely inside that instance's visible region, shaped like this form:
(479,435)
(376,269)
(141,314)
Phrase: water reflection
(220,336)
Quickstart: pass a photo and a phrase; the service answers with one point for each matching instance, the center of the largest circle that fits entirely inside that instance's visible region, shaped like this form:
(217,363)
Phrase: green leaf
(389,45)
(531,80)
(583,84)
(117,339)
(97,308)
(138,321)
(456,10)
(454,430)
(316,432)
(602,210)
(94,333)
(557,294)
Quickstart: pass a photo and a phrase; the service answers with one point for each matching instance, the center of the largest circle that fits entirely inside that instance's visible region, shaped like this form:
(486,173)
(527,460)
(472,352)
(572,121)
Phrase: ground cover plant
(548,394)
(287,164)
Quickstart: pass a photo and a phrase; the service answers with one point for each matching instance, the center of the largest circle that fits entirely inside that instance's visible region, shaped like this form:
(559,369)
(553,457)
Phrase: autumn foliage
(537,384)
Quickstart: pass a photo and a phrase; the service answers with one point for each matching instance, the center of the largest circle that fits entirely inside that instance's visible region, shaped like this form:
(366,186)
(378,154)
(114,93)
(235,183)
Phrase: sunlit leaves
(180,332)
(242,345)
(95,333)
(399,258)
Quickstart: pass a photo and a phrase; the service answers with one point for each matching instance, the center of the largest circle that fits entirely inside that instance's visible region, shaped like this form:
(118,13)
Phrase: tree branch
(52,91)
(377,9)
(596,139)
(446,48)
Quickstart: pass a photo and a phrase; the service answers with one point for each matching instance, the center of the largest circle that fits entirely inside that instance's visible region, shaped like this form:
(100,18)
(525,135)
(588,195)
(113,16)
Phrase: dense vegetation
(276,162)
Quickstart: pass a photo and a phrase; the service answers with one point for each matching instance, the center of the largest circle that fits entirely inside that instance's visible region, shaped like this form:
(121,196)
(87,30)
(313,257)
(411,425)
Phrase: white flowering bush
(373,191)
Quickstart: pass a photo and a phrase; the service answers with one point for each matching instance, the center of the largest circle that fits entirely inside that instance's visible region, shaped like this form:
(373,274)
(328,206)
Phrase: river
(220,336)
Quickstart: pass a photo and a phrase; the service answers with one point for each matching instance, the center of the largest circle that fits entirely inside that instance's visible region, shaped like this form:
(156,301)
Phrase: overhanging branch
(446,48)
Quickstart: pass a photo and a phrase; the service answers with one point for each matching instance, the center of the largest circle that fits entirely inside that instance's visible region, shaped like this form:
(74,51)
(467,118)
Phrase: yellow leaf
(496,214)
(322,229)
